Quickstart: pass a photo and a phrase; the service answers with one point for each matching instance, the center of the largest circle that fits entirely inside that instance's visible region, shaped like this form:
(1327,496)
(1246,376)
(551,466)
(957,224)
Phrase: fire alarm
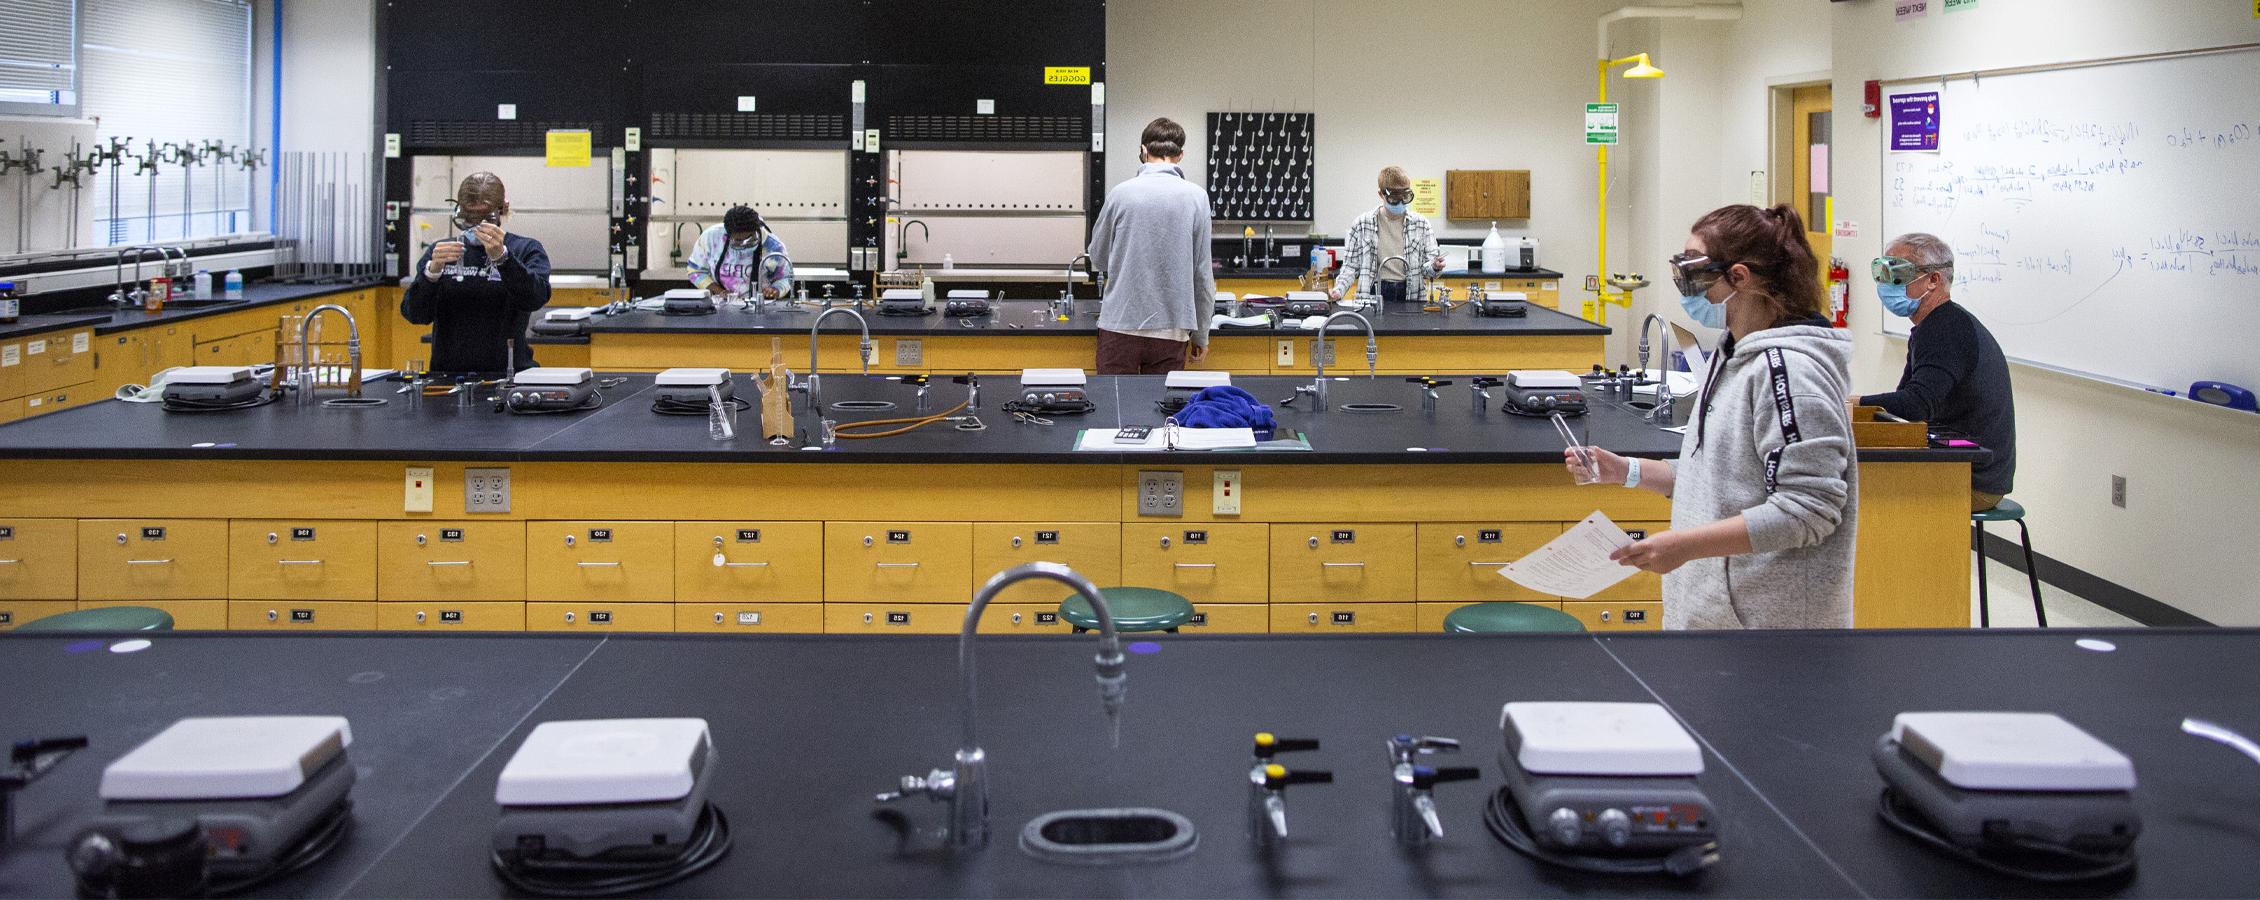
(1871,99)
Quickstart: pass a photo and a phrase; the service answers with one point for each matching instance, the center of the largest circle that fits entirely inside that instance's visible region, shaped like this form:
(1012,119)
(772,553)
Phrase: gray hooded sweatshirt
(1152,241)
(1771,440)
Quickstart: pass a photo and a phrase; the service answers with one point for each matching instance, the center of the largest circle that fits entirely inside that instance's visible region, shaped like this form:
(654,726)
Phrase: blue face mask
(1896,301)
(1705,313)
(1396,209)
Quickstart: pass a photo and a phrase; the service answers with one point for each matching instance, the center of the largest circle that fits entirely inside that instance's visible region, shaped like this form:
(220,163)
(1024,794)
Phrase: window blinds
(39,70)
(172,78)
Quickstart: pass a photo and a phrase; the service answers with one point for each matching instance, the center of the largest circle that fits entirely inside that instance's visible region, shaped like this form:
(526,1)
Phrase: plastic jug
(234,284)
(202,289)
(1494,252)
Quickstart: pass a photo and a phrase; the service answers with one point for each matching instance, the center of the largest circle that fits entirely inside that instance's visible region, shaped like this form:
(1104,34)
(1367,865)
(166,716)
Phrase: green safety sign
(1600,123)
(1960,5)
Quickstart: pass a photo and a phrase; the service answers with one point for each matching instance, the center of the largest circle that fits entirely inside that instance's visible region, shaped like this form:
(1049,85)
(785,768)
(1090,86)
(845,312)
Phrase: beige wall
(329,90)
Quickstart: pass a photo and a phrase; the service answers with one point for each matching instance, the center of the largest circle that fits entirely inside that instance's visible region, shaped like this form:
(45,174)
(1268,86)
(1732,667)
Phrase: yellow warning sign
(1428,197)
(568,149)
(1067,74)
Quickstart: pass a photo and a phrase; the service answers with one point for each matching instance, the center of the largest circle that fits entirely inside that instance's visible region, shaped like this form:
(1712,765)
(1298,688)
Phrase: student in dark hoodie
(477,288)
(1764,493)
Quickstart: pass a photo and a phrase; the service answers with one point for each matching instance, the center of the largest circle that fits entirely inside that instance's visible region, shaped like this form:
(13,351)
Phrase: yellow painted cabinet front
(1206,563)
(1341,562)
(746,561)
(1023,618)
(16,613)
(450,615)
(898,562)
(275,559)
(39,559)
(600,616)
(1093,549)
(1341,618)
(451,560)
(152,559)
(894,618)
(1459,561)
(304,615)
(1620,615)
(1642,586)
(1229,618)
(611,561)
(750,617)
(188,615)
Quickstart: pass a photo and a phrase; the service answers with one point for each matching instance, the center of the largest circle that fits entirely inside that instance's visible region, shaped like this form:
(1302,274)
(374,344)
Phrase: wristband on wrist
(1632,472)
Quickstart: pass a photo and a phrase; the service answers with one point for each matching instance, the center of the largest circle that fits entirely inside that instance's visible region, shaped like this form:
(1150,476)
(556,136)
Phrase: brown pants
(1981,501)
(1128,354)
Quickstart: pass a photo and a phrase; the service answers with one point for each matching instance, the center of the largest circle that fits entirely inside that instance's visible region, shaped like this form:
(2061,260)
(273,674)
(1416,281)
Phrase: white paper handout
(1577,563)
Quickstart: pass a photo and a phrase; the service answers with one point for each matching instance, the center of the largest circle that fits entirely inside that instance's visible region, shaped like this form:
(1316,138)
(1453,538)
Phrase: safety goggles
(1897,270)
(1404,196)
(748,242)
(1689,271)
(469,217)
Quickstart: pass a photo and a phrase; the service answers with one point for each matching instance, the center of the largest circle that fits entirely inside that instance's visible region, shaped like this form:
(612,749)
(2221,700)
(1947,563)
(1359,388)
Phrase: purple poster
(1914,122)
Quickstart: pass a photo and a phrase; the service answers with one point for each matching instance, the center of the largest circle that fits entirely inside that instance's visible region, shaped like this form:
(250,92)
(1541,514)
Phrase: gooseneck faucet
(1067,296)
(1663,411)
(1320,350)
(1415,821)
(306,358)
(902,237)
(965,785)
(121,296)
(808,384)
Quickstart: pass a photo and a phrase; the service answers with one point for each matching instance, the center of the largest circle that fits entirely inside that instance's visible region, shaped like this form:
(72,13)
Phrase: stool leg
(2032,573)
(1985,603)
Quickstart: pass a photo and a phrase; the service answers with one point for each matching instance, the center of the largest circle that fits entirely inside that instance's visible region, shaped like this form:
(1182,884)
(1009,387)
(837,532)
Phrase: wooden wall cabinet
(1487,194)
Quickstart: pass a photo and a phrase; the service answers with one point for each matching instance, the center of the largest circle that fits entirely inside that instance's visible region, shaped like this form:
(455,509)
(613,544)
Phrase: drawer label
(749,618)
(1047,537)
(898,618)
(1345,536)
(81,341)
(1487,536)
(7,532)
(302,534)
(600,534)
(6,617)
(1196,537)
(153,533)
(1636,615)
(451,615)
(12,354)
(1638,534)
(1199,619)
(1346,618)
(1047,618)
(749,535)
(898,537)
(451,534)
(302,615)
(35,348)
(600,617)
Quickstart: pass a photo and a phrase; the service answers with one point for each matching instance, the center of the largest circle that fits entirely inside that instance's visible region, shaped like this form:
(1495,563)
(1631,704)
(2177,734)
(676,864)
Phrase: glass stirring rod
(1584,455)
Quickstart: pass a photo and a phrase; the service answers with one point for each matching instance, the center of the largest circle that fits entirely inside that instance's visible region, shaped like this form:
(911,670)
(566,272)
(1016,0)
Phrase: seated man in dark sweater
(1956,378)
(478,287)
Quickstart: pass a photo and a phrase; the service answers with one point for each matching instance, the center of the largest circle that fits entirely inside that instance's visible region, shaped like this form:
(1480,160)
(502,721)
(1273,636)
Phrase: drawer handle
(908,565)
(10,562)
(1491,564)
(598,565)
(149,562)
(1342,565)
(1196,565)
(298,562)
(747,565)
(449,562)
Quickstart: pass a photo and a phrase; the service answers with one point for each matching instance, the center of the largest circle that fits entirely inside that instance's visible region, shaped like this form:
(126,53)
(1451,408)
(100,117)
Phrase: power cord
(324,838)
(170,404)
(1504,818)
(2047,863)
(668,407)
(596,399)
(1057,408)
(710,841)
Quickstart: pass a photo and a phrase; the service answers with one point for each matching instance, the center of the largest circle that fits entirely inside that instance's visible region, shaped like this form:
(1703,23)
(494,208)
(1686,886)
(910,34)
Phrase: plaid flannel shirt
(1359,267)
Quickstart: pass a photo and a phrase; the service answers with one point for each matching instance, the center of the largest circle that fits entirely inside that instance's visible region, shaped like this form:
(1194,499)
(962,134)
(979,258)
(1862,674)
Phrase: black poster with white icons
(1259,166)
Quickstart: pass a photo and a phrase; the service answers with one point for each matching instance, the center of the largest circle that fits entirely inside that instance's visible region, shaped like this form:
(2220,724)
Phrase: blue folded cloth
(1225,406)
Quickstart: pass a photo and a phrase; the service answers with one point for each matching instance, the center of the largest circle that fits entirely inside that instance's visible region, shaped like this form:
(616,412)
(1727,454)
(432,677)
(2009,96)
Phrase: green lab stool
(1509,618)
(104,618)
(1135,609)
(2005,511)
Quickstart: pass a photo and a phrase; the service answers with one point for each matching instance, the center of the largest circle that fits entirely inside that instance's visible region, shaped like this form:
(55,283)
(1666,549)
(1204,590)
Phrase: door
(1809,176)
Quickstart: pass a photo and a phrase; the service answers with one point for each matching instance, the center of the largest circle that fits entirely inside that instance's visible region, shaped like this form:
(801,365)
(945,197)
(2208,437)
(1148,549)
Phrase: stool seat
(2005,511)
(104,618)
(1509,618)
(1134,608)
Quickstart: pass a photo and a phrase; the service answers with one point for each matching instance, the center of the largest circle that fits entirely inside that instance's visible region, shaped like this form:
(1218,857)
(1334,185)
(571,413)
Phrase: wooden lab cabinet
(1093,549)
(188,615)
(302,615)
(600,616)
(1023,618)
(130,357)
(1206,563)
(1487,194)
(1341,618)
(610,561)
(38,559)
(1342,562)
(1642,586)
(15,613)
(152,559)
(451,560)
(274,559)
(1229,618)
(450,615)
(749,561)
(1621,615)
(750,618)
(1460,561)
(897,562)
(894,618)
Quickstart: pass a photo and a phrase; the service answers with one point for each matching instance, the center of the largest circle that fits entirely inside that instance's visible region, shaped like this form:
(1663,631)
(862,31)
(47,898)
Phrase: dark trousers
(1129,354)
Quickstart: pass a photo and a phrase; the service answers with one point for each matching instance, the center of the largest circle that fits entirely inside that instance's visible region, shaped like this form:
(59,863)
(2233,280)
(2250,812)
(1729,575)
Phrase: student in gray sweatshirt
(1765,490)
(1152,240)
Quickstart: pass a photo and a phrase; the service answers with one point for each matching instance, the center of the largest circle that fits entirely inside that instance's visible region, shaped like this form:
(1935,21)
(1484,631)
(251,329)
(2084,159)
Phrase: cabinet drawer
(1642,586)
(452,616)
(1217,563)
(16,613)
(188,615)
(771,561)
(1023,618)
(897,562)
(1093,549)
(751,618)
(1431,615)
(612,561)
(58,400)
(1342,563)
(1459,561)
(894,618)
(1229,618)
(304,615)
(55,361)
(1331,618)
(275,559)
(1620,615)
(38,559)
(152,559)
(451,561)
(600,616)
(11,409)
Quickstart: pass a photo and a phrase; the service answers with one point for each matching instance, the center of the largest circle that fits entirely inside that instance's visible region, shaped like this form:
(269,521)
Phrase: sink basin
(199,304)
(1109,836)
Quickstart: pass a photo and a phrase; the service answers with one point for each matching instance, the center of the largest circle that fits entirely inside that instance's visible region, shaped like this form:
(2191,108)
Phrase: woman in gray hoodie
(1765,490)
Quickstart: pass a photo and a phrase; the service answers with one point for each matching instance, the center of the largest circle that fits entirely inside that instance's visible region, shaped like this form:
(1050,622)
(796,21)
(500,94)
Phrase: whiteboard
(2105,220)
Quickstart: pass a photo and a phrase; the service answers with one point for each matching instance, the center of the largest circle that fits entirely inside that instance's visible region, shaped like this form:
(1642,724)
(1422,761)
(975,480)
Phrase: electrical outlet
(1286,353)
(1322,353)
(1161,493)
(908,352)
(2119,491)
(419,490)
(486,490)
(1225,493)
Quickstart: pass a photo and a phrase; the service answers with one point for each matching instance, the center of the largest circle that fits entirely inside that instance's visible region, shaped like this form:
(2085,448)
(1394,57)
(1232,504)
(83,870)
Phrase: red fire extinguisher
(1839,290)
